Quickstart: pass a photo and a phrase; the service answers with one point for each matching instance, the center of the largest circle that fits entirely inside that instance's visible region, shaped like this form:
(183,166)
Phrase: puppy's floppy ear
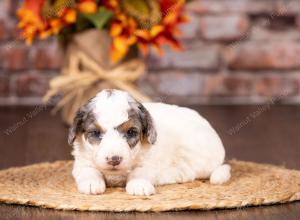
(149,130)
(78,122)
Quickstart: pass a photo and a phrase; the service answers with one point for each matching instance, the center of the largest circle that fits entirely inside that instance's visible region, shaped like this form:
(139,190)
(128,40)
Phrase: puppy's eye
(132,132)
(95,134)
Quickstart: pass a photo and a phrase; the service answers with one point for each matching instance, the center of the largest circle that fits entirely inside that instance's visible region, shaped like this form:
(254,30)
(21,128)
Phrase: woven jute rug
(50,185)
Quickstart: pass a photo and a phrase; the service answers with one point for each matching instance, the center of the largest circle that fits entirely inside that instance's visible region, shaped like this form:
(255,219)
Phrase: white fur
(220,175)
(187,148)
(140,187)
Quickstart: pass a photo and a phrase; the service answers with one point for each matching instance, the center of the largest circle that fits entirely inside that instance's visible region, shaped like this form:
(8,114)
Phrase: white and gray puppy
(118,141)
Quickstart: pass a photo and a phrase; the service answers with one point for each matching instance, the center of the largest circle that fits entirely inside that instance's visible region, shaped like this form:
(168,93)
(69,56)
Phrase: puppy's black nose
(114,160)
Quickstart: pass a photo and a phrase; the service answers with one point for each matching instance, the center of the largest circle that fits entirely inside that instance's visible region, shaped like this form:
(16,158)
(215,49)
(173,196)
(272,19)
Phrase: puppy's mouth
(113,169)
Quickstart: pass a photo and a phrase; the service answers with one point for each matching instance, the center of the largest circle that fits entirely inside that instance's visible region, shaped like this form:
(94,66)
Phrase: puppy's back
(183,128)
(172,117)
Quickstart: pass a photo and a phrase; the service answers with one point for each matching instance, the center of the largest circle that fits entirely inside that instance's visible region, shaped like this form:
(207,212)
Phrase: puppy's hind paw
(92,186)
(140,187)
(220,175)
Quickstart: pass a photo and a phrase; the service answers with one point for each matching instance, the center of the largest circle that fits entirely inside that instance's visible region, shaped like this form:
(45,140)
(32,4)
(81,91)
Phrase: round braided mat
(51,185)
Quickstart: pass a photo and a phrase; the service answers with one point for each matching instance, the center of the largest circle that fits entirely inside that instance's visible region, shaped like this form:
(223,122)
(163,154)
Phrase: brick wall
(236,51)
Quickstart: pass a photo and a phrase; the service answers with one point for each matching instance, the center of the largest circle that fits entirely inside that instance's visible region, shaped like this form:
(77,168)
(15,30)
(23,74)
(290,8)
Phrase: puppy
(118,141)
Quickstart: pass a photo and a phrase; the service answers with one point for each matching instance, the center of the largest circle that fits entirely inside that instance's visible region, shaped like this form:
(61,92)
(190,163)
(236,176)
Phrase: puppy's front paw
(140,187)
(91,186)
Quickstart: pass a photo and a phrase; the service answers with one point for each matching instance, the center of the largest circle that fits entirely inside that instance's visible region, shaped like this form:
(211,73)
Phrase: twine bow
(83,78)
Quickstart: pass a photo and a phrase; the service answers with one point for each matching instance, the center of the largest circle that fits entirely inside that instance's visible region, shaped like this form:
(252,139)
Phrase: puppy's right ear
(77,126)
(148,124)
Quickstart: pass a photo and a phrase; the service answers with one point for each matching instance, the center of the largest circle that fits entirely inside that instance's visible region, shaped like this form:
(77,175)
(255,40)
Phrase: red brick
(16,32)
(47,57)
(223,27)
(283,7)
(14,5)
(176,83)
(5,6)
(190,29)
(13,56)
(228,85)
(274,85)
(5,30)
(31,84)
(230,6)
(260,33)
(4,86)
(298,21)
(264,55)
(195,55)
(273,22)
(298,84)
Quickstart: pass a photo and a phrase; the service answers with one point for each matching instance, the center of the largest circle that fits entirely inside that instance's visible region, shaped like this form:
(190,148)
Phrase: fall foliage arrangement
(101,40)
(130,23)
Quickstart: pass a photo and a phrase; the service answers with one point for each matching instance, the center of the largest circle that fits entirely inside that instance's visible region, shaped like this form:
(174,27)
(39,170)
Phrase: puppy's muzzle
(114,160)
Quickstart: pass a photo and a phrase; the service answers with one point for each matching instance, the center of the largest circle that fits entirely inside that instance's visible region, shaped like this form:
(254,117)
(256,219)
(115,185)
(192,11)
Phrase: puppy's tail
(220,175)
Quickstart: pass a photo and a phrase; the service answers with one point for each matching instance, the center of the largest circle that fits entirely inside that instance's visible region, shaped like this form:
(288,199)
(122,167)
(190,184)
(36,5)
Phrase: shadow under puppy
(118,141)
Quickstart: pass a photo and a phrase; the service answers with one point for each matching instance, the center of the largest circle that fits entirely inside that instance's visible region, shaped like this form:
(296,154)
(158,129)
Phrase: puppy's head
(111,129)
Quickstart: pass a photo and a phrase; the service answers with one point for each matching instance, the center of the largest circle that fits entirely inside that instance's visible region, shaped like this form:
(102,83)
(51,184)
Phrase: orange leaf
(87,7)
(35,6)
(119,48)
(144,48)
(131,40)
(70,16)
(45,34)
(55,25)
(116,29)
(144,34)
(170,18)
(184,19)
(155,30)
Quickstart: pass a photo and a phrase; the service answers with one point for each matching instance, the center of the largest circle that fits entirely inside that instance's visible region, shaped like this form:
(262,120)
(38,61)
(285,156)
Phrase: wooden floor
(268,134)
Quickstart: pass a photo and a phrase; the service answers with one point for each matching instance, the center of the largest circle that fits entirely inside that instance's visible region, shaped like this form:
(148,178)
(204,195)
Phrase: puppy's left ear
(77,126)
(149,130)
